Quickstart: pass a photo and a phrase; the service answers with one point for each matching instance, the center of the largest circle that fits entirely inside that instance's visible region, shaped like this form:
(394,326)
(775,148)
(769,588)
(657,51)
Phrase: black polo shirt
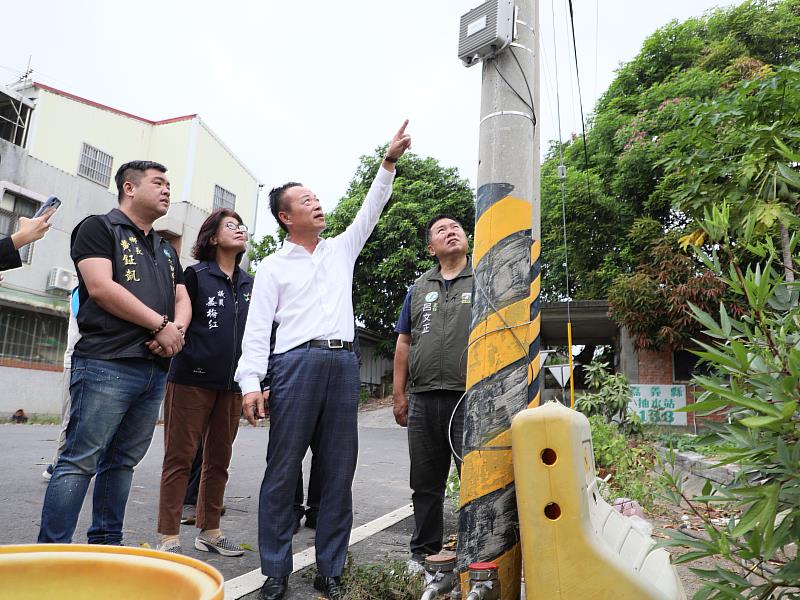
(145,265)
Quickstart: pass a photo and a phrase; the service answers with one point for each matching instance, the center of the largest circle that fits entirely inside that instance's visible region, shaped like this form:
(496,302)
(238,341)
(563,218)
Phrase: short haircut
(276,203)
(132,171)
(203,249)
(435,220)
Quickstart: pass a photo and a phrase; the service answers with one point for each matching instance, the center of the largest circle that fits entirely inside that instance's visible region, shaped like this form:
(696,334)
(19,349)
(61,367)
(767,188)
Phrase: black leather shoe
(330,586)
(274,588)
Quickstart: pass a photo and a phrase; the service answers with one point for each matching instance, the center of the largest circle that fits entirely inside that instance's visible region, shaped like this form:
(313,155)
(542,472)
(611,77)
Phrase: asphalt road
(381,485)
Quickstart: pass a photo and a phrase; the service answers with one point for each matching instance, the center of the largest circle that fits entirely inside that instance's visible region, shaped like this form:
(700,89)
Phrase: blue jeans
(115,405)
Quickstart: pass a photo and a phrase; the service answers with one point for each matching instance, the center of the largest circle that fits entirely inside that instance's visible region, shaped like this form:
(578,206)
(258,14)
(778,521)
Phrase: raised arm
(357,234)
(397,147)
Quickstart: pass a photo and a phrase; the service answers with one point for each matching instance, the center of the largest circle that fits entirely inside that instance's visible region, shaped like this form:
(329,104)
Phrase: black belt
(328,345)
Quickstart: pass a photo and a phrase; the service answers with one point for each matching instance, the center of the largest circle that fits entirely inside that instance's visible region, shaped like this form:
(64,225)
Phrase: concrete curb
(697,468)
(243,585)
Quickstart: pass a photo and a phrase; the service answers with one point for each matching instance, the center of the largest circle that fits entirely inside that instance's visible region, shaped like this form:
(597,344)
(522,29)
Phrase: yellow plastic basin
(92,572)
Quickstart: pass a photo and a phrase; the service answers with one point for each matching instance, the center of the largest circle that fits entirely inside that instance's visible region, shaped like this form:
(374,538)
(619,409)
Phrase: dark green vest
(440,325)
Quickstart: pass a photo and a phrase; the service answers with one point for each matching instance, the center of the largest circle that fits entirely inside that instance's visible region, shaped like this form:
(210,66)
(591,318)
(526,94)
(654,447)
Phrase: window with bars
(13,207)
(223,198)
(28,338)
(95,165)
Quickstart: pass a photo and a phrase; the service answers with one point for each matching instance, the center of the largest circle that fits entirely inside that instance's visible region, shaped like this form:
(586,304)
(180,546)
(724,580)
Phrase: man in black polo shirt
(134,309)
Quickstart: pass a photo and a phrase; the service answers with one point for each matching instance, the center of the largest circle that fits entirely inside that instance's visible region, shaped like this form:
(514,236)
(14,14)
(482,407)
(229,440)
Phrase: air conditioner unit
(61,280)
(485,31)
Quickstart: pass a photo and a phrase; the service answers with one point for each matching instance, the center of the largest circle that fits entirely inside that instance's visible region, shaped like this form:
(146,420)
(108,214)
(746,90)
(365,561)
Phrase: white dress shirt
(310,296)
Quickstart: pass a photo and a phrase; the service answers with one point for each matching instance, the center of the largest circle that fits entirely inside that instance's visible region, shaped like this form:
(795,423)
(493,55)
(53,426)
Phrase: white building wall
(34,391)
(195,157)
(216,165)
(38,391)
(61,125)
(169,145)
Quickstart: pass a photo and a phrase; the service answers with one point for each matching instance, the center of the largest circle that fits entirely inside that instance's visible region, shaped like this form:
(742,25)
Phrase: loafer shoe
(221,545)
(174,548)
(274,588)
(330,586)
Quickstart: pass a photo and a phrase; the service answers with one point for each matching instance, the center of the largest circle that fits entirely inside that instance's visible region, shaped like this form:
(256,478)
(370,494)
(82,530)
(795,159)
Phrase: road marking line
(249,582)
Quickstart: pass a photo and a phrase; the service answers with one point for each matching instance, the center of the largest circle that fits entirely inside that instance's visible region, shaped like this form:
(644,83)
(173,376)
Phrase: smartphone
(52,202)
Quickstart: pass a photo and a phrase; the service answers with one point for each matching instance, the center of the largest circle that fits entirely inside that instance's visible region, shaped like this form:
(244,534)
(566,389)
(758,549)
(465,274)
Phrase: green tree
(653,301)
(625,183)
(742,147)
(736,148)
(260,250)
(395,254)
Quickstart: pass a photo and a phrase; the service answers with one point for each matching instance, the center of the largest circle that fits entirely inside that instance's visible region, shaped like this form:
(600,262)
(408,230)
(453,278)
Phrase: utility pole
(503,371)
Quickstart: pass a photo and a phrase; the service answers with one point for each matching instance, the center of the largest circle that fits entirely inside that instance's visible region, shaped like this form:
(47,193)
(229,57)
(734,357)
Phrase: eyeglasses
(234,227)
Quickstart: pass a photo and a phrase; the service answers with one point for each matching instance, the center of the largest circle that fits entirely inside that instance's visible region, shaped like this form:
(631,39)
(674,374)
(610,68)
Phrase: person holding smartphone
(29,231)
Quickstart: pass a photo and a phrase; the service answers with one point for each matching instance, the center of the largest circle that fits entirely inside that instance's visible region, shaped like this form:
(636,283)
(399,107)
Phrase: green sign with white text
(656,404)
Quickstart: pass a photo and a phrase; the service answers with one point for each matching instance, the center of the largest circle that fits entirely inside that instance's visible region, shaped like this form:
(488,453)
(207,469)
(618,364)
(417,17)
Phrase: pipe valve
(484,583)
(440,575)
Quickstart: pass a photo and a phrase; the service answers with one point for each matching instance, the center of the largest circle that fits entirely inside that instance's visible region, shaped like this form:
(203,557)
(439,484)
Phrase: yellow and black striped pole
(503,356)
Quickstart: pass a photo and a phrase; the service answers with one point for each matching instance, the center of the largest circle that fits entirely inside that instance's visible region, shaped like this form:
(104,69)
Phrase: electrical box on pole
(485,31)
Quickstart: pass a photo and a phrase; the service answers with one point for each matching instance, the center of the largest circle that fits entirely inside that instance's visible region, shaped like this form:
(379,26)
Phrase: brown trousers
(191,415)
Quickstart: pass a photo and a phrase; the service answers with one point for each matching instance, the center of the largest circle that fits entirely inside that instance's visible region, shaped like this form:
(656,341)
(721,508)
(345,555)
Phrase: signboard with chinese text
(656,404)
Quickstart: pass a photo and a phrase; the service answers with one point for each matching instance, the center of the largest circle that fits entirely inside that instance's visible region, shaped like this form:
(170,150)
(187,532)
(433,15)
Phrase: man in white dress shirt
(306,287)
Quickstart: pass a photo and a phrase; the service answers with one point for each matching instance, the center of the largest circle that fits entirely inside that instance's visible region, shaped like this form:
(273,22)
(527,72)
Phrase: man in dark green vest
(431,361)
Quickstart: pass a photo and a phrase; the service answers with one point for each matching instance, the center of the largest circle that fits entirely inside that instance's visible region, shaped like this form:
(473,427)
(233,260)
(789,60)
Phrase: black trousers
(428,446)
(194,478)
(311,509)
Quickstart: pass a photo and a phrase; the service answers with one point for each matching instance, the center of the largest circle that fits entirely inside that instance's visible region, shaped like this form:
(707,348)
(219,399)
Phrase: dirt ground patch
(375,404)
(664,517)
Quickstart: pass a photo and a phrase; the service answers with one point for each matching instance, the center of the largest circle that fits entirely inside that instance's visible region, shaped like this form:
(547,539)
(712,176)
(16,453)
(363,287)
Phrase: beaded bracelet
(158,329)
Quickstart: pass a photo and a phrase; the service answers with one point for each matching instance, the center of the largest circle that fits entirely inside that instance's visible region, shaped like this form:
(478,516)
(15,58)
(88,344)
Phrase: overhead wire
(583,123)
(580,98)
(548,87)
(562,177)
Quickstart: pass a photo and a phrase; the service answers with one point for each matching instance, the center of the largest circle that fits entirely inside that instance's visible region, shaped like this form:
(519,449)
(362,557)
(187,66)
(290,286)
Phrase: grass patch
(625,462)
(382,581)
(707,445)
(41,420)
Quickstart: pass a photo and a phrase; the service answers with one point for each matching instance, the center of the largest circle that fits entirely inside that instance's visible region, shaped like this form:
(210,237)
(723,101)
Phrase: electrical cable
(596,41)
(516,93)
(580,98)
(547,79)
(506,326)
(527,85)
(563,180)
